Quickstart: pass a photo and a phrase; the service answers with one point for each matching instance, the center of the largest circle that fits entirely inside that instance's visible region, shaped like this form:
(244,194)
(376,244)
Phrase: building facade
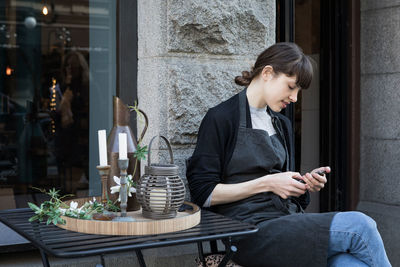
(183,62)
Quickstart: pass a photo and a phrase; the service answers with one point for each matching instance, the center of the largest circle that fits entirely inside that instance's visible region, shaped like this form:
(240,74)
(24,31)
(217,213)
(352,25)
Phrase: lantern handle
(169,149)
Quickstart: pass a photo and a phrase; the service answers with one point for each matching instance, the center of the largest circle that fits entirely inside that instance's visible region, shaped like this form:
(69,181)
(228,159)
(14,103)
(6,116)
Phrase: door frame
(339,97)
(340,105)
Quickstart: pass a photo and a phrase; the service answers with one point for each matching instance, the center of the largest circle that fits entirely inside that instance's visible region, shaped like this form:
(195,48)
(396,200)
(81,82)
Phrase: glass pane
(57,77)
(307,36)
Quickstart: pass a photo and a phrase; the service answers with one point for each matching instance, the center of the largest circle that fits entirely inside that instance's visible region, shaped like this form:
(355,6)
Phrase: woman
(243,168)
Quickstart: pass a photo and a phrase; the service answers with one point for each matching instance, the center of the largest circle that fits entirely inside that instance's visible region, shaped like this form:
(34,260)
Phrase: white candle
(123,148)
(158,199)
(102,147)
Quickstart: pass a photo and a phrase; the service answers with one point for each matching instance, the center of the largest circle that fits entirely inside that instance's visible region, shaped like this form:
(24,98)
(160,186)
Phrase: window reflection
(44,97)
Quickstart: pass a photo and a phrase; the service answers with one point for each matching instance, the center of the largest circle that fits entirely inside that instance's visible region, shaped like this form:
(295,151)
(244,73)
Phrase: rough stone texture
(379,171)
(380,95)
(387,218)
(374,4)
(380,36)
(223,27)
(152,24)
(152,95)
(193,92)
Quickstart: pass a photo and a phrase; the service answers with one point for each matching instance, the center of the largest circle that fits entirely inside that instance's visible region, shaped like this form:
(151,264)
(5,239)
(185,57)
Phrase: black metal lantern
(160,190)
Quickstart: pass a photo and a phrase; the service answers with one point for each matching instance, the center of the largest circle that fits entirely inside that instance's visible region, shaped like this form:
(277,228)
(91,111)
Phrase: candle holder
(160,190)
(123,191)
(104,171)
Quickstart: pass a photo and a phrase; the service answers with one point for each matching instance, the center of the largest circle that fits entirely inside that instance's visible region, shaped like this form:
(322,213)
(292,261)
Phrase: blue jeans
(355,241)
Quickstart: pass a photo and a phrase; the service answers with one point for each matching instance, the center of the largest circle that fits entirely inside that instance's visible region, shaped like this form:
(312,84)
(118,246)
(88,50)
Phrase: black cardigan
(216,141)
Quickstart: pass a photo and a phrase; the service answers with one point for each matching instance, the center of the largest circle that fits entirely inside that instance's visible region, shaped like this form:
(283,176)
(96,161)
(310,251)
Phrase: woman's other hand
(286,184)
(314,180)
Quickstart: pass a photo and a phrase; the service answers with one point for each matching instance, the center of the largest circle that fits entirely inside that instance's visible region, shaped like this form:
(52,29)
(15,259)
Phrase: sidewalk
(183,255)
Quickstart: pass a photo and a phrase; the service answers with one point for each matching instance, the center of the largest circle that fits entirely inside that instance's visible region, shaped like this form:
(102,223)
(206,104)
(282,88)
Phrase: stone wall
(189,53)
(380,128)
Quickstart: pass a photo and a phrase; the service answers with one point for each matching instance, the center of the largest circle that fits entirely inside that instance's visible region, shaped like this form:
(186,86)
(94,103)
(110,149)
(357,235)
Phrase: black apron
(287,236)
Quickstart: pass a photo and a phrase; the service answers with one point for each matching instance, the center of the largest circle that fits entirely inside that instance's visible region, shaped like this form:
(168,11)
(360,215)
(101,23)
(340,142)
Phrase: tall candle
(102,147)
(158,199)
(123,147)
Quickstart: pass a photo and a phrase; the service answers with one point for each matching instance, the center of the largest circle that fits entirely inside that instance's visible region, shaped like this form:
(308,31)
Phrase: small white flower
(115,189)
(131,190)
(73,205)
(62,211)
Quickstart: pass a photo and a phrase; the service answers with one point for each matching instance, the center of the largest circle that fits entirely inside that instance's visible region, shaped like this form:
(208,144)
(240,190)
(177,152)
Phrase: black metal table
(54,241)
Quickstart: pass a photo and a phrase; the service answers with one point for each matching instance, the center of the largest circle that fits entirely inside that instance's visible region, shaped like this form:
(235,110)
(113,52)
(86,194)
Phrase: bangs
(304,72)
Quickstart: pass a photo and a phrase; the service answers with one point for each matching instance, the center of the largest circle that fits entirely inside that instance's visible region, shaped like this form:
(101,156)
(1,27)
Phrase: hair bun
(245,79)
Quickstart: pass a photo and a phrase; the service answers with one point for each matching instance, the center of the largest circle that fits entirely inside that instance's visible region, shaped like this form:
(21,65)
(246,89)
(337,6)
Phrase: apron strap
(242,109)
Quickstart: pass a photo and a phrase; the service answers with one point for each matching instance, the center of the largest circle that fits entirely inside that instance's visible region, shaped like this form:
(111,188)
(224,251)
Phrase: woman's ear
(267,73)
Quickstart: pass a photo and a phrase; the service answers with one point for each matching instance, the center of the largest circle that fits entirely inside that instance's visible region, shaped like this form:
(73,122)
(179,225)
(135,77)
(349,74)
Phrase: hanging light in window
(9,71)
(45,10)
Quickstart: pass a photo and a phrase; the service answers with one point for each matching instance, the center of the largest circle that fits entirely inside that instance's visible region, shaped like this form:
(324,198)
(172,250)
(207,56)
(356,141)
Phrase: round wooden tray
(141,226)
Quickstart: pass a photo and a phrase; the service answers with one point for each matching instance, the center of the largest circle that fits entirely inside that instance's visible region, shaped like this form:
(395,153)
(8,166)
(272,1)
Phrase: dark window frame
(340,106)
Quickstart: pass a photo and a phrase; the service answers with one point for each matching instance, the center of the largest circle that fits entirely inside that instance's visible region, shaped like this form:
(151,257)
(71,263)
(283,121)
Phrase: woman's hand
(285,184)
(315,181)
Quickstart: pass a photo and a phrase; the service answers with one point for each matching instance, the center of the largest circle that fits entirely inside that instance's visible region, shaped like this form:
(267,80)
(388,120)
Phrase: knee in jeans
(366,222)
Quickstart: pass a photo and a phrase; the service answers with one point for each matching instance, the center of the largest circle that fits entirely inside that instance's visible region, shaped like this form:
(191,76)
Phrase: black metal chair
(224,256)
(227,253)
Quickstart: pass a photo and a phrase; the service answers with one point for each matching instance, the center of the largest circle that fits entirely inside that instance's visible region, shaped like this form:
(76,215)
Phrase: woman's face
(279,91)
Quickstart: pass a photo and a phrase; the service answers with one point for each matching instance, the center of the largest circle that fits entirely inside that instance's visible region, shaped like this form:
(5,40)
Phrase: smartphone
(299,180)
(321,173)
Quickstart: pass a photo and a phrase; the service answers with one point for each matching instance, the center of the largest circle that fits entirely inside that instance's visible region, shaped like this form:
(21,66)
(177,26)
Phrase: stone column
(380,127)
(189,53)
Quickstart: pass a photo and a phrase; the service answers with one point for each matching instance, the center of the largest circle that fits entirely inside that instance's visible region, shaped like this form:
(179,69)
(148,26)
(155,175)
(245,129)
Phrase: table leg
(214,246)
(103,263)
(45,260)
(201,253)
(140,258)
(230,250)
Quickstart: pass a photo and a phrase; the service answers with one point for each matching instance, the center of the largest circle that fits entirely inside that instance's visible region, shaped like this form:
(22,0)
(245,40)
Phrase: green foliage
(49,209)
(52,210)
(140,152)
(111,206)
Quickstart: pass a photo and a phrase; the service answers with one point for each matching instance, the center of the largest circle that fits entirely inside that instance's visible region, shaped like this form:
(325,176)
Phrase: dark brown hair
(286,58)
